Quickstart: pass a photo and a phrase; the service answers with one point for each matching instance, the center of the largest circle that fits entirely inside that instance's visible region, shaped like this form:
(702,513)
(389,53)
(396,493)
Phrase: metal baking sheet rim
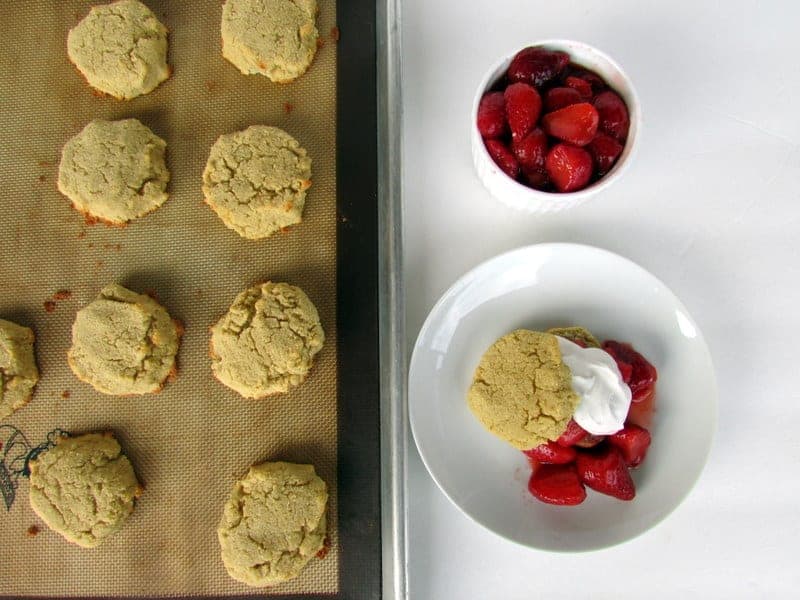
(394,420)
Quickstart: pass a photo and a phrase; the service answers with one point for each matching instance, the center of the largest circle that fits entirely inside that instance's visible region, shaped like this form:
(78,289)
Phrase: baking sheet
(394,418)
(190,442)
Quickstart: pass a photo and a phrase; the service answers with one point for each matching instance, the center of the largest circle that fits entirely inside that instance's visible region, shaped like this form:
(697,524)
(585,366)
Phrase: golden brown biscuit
(265,344)
(114,171)
(124,343)
(522,391)
(273,523)
(256,180)
(121,49)
(18,372)
(276,38)
(83,488)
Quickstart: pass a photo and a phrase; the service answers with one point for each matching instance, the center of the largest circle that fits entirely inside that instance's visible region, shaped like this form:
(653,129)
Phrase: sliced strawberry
(573,434)
(492,115)
(626,370)
(538,179)
(605,150)
(557,484)
(531,150)
(551,453)
(503,157)
(523,107)
(614,119)
(576,123)
(597,83)
(559,97)
(537,66)
(641,413)
(569,167)
(643,380)
(583,87)
(605,471)
(633,442)
(590,440)
(643,375)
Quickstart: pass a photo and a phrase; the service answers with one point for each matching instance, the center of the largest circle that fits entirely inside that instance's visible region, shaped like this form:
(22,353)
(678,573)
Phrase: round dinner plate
(538,287)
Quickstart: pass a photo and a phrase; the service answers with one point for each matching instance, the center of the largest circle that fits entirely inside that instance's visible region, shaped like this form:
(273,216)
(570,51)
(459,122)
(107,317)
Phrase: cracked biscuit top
(123,343)
(266,342)
(114,171)
(121,49)
(522,391)
(273,523)
(18,372)
(275,38)
(83,488)
(256,180)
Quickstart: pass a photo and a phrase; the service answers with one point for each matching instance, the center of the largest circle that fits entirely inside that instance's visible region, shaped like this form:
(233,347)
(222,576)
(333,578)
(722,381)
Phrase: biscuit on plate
(124,343)
(120,48)
(276,38)
(18,372)
(114,171)
(83,488)
(273,523)
(522,390)
(256,180)
(265,344)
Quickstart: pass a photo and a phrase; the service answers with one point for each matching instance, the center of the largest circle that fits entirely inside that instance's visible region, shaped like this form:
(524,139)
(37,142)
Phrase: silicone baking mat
(191,442)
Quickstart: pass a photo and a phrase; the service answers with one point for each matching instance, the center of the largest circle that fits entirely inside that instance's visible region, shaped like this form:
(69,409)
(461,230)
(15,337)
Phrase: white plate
(545,286)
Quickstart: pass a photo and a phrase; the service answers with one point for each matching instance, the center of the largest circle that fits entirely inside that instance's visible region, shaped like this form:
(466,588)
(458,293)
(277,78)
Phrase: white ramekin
(519,196)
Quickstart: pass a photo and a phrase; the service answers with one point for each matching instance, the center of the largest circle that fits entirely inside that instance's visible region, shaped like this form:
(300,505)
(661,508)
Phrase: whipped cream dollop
(605,397)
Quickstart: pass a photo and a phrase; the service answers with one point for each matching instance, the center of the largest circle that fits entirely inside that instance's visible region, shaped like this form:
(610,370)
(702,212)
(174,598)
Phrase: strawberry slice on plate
(605,471)
(632,442)
(636,371)
(641,412)
(573,434)
(590,441)
(557,484)
(551,453)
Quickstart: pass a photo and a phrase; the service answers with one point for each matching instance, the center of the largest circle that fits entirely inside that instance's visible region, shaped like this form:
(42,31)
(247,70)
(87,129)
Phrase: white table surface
(711,206)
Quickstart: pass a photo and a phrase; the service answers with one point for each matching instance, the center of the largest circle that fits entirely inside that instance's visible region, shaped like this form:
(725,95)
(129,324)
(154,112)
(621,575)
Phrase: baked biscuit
(83,488)
(276,38)
(114,171)
(124,343)
(266,342)
(273,523)
(120,48)
(18,372)
(256,180)
(522,390)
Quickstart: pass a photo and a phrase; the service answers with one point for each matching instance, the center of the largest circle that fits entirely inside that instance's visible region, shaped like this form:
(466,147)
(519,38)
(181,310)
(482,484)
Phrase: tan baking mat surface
(189,443)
